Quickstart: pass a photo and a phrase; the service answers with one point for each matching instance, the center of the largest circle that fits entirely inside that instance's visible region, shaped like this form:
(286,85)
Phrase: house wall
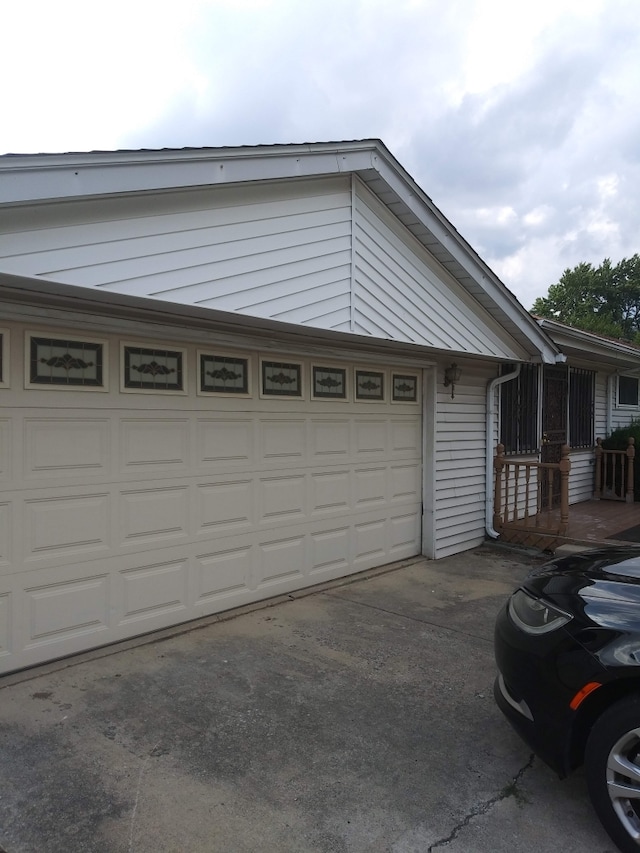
(400,292)
(274,250)
(460,458)
(607,417)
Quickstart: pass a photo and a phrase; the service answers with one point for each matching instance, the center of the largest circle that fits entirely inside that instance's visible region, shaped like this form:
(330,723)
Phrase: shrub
(619,440)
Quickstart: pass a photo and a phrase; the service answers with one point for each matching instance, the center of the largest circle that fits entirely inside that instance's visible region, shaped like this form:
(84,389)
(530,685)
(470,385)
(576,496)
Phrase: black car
(567,646)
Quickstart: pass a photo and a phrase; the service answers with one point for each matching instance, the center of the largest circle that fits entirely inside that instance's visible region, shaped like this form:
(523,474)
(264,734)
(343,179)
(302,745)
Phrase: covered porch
(531,502)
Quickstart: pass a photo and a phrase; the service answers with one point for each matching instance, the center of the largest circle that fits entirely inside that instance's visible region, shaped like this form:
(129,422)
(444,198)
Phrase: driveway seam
(412,618)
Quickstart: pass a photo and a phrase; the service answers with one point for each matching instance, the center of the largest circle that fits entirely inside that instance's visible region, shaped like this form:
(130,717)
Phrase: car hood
(600,588)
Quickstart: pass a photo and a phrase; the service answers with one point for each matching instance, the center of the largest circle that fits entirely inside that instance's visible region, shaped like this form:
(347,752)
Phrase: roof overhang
(588,345)
(40,178)
(151,317)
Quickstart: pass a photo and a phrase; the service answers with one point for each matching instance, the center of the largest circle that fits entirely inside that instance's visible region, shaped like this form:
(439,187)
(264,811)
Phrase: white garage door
(126,510)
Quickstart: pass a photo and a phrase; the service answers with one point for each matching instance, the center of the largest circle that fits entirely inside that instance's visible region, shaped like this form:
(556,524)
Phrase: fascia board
(588,344)
(37,178)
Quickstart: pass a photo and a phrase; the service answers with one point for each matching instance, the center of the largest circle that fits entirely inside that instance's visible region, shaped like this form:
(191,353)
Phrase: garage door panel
(330,440)
(225,441)
(6,611)
(64,447)
(405,482)
(160,445)
(56,612)
(66,526)
(404,529)
(330,550)
(7,556)
(223,574)
(406,437)
(370,541)
(330,491)
(283,440)
(150,515)
(280,560)
(7,450)
(370,436)
(370,486)
(282,500)
(154,590)
(225,507)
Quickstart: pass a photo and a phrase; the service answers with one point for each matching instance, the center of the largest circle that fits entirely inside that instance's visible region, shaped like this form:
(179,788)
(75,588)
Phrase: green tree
(604,299)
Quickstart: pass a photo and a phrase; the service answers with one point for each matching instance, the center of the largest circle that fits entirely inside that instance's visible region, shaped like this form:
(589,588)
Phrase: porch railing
(531,497)
(614,473)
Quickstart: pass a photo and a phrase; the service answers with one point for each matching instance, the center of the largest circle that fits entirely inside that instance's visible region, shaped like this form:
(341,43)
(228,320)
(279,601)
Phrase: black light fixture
(452,377)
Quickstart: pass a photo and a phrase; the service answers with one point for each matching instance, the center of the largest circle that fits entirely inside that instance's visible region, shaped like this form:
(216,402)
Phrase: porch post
(631,452)
(498,466)
(565,468)
(597,494)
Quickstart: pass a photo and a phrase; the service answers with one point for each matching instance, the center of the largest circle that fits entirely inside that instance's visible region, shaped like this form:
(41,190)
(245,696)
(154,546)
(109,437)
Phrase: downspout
(491,387)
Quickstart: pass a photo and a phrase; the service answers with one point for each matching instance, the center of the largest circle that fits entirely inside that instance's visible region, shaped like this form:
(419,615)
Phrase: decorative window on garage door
(146,368)
(369,385)
(281,379)
(65,362)
(328,383)
(223,374)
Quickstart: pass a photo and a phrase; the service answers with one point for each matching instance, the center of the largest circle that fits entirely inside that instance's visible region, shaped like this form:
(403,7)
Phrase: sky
(519,119)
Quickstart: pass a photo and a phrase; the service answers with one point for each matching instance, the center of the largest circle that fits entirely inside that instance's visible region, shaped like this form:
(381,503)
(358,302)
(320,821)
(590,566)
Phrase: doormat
(631,534)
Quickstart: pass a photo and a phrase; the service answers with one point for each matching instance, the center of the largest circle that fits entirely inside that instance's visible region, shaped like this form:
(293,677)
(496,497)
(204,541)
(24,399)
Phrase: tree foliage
(604,299)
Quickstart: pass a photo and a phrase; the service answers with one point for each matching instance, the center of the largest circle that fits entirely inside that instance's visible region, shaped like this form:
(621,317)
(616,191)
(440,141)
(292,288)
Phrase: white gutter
(491,387)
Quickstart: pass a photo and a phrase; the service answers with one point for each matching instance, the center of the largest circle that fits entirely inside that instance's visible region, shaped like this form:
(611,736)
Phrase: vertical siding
(460,459)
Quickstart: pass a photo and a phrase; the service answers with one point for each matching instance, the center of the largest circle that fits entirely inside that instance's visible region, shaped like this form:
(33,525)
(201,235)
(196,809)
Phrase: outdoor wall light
(452,377)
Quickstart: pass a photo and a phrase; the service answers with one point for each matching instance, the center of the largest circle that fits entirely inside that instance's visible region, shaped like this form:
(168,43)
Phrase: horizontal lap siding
(280,251)
(460,452)
(581,477)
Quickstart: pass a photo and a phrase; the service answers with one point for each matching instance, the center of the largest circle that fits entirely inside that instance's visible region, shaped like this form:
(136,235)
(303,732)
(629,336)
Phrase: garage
(148,482)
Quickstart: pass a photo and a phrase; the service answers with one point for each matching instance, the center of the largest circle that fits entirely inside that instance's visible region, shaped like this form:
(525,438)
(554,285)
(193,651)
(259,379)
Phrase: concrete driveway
(357,718)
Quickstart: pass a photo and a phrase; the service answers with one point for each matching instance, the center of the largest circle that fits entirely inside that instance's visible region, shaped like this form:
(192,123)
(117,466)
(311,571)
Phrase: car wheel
(612,764)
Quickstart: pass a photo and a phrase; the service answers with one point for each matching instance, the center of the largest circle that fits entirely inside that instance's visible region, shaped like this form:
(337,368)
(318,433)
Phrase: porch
(532,508)
(591,523)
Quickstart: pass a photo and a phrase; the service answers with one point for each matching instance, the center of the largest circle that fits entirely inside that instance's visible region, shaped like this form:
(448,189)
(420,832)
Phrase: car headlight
(534,615)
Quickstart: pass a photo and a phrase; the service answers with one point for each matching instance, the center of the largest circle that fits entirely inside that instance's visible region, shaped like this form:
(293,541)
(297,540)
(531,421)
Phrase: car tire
(611,757)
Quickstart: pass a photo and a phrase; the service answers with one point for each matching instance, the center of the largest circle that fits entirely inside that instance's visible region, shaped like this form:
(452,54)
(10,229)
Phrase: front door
(554,427)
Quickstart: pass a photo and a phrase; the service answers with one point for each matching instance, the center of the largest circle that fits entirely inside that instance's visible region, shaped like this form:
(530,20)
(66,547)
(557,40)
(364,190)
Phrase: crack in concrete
(509,790)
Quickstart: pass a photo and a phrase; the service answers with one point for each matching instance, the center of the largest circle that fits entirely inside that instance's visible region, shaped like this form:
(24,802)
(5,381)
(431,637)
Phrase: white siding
(601,404)
(401,293)
(277,251)
(581,476)
(460,453)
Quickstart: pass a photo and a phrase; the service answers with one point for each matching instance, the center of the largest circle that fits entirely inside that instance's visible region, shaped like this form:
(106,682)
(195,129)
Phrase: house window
(519,410)
(581,396)
(627,391)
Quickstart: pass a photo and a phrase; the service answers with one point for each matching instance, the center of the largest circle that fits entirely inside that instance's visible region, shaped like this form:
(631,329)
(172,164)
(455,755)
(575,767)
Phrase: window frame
(625,405)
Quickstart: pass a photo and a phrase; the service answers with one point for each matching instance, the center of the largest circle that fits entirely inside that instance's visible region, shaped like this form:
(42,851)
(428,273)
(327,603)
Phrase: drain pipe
(491,387)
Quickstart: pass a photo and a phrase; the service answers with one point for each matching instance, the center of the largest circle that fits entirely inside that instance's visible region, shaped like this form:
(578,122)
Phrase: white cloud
(519,119)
